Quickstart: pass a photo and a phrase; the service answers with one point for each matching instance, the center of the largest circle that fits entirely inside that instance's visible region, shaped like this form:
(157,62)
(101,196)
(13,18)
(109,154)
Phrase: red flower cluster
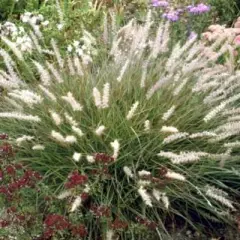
(75,179)
(118,224)
(3,136)
(79,230)
(28,179)
(103,158)
(149,224)
(6,150)
(100,211)
(54,223)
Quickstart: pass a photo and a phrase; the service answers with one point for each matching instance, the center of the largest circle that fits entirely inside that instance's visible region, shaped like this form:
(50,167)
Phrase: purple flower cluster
(159,3)
(198,9)
(172,16)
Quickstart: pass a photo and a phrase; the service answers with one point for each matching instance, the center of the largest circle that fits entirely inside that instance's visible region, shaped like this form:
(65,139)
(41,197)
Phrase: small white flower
(65,194)
(145,197)
(76,156)
(56,118)
(70,139)
(45,23)
(78,131)
(128,171)
(90,159)
(60,26)
(116,146)
(24,138)
(69,48)
(169,129)
(174,175)
(132,110)
(38,147)
(77,202)
(99,131)
(144,173)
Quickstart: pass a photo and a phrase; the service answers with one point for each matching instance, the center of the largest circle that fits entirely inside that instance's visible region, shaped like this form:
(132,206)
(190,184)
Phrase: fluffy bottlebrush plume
(232,144)
(9,63)
(72,101)
(44,74)
(169,113)
(219,196)
(76,203)
(20,116)
(65,194)
(78,66)
(13,103)
(132,111)
(147,125)
(26,96)
(57,136)
(161,196)
(78,131)
(99,131)
(145,196)
(144,173)
(24,138)
(38,147)
(116,147)
(174,175)
(13,47)
(128,171)
(57,53)
(110,235)
(48,93)
(70,139)
(70,120)
(90,159)
(206,97)
(70,66)
(174,137)
(56,118)
(77,156)
(97,97)
(169,129)
(55,72)
(105,96)
(183,157)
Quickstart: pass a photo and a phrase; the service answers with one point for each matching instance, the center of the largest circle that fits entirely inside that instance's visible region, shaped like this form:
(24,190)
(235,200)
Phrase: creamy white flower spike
(169,129)
(20,116)
(99,131)
(169,113)
(78,131)
(173,175)
(132,111)
(128,171)
(97,97)
(77,156)
(23,138)
(90,159)
(145,196)
(57,136)
(105,96)
(76,203)
(116,146)
(56,117)
(48,93)
(147,126)
(174,137)
(65,194)
(38,147)
(72,101)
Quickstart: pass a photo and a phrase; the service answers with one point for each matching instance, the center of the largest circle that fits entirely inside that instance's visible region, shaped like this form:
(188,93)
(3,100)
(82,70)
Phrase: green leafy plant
(145,136)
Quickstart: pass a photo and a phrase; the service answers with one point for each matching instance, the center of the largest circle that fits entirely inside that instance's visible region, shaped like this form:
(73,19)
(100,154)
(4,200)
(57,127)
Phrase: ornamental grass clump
(146,135)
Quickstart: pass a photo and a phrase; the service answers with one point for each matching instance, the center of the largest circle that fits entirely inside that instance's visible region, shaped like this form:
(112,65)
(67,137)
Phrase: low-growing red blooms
(75,179)
(79,230)
(103,158)
(149,224)
(57,222)
(119,224)
(3,136)
(100,211)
